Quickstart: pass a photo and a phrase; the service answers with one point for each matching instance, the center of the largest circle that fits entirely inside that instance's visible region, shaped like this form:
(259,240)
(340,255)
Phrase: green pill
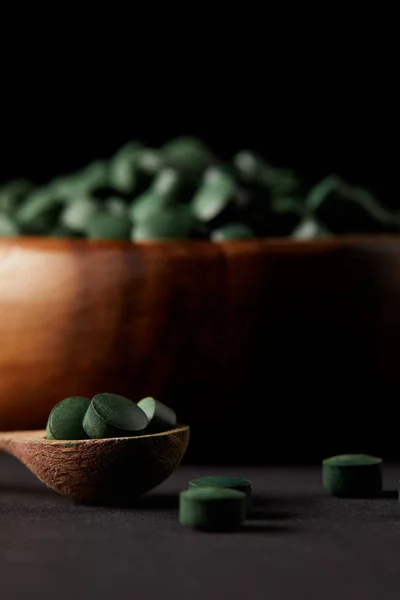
(61,231)
(122,175)
(111,415)
(212,508)
(7,226)
(85,182)
(12,194)
(109,227)
(79,213)
(65,419)
(253,169)
(321,192)
(149,161)
(352,475)
(232,231)
(214,195)
(310,228)
(220,481)
(92,177)
(146,205)
(160,416)
(116,206)
(166,183)
(39,212)
(174,186)
(187,153)
(170,222)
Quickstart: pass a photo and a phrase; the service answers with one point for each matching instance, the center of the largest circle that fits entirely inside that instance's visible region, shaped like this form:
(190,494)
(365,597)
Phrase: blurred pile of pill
(183,190)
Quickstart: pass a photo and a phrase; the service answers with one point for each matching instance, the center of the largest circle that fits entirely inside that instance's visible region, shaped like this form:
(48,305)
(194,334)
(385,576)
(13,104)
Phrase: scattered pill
(212,508)
(352,475)
(65,419)
(234,483)
(111,415)
(160,416)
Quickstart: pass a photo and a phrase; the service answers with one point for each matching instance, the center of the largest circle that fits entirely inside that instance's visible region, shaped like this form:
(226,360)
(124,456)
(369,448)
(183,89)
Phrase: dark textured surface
(301,543)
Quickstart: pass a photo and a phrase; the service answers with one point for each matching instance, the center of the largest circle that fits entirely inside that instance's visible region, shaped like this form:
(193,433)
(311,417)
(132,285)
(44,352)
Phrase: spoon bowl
(103,471)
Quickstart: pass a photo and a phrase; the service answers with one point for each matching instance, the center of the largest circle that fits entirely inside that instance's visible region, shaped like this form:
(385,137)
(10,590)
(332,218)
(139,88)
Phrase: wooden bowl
(254,338)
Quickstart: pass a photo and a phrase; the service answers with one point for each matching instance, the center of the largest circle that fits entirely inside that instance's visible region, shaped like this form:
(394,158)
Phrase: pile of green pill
(183,190)
(107,416)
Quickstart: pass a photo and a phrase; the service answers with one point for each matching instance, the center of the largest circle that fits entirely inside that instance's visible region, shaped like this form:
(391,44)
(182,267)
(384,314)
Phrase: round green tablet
(149,160)
(232,231)
(352,475)
(252,168)
(212,508)
(165,181)
(122,174)
(160,416)
(62,231)
(187,153)
(110,415)
(79,213)
(109,227)
(39,211)
(170,222)
(145,205)
(12,193)
(214,195)
(116,206)
(93,176)
(7,226)
(221,481)
(309,228)
(65,419)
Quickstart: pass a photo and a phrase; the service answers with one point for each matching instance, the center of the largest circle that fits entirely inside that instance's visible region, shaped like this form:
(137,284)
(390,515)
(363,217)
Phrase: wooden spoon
(107,471)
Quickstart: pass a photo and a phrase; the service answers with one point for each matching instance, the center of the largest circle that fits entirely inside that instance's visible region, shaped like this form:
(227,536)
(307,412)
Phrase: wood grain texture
(100,471)
(255,324)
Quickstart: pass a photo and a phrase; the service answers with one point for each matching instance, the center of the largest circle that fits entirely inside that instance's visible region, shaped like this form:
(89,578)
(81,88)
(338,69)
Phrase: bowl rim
(49,243)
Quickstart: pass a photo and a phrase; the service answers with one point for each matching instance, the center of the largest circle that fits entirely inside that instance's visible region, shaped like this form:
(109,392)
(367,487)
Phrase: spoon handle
(5,441)
(6,436)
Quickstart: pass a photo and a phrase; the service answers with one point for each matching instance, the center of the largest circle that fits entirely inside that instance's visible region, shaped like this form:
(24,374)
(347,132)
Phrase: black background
(310,96)
(344,137)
